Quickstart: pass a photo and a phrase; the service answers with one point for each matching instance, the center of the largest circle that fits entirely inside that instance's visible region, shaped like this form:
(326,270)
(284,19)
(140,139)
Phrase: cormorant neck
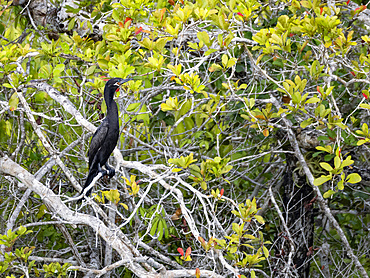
(108,96)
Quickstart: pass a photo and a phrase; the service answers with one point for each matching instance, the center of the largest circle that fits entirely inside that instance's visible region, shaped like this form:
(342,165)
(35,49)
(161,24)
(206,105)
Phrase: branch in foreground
(113,237)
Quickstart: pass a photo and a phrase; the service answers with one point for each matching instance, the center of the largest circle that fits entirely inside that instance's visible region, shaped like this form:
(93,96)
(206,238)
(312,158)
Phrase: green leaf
(231,62)
(217,159)
(13,102)
(58,69)
(203,36)
(326,148)
(322,180)
(306,123)
(90,70)
(328,193)
(160,229)
(103,63)
(7,85)
(340,183)
(41,212)
(71,24)
(225,59)
(361,142)
(365,106)
(260,219)
(353,178)
(337,162)
(348,161)
(203,185)
(326,166)
(160,44)
(170,104)
(313,100)
(214,67)
(45,71)
(154,226)
(209,51)
(133,107)
(265,251)
(233,249)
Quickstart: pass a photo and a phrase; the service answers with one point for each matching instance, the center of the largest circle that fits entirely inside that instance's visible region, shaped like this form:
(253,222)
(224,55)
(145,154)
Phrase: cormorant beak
(122,81)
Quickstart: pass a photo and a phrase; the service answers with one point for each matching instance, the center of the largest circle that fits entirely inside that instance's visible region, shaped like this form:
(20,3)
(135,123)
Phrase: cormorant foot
(104,173)
(111,172)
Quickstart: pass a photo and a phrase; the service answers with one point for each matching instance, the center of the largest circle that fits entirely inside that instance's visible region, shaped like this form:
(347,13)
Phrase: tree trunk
(298,214)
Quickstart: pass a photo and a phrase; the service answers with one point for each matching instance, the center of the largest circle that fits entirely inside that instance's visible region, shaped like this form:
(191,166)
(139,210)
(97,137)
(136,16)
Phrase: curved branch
(114,237)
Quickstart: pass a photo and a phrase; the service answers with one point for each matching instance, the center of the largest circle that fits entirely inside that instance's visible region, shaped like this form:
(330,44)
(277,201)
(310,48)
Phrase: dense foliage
(244,141)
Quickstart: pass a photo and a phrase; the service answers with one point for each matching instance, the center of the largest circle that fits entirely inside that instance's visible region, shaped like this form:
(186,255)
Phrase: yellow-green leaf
(313,100)
(353,178)
(306,123)
(171,104)
(203,36)
(203,185)
(328,193)
(327,148)
(260,219)
(71,24)
(13,102)
(326,166)
(265,251)
(337,162)
(360,142)
(225,59)
(365,106)
(322,180)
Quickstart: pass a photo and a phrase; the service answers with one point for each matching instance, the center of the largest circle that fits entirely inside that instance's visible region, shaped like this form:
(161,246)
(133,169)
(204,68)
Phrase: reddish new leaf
(163,11)
(128,19)
(360,9)
(104,78)
(319,89)
(138,30)
(222,192)
(188,252)
(181,251)
(197,273)
(201,240)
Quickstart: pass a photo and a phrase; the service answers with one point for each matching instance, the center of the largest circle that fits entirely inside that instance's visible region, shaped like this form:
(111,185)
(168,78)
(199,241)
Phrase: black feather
(106,136)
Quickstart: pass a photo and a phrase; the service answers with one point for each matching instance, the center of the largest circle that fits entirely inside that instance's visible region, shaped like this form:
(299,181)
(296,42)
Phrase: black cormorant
(106,136)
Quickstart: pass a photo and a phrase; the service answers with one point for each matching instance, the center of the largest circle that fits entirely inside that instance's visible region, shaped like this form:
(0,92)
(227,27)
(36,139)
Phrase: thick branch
(113,237)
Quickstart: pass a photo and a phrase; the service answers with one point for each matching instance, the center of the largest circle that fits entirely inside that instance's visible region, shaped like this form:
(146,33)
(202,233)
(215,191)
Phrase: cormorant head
(114,83)
(111,87)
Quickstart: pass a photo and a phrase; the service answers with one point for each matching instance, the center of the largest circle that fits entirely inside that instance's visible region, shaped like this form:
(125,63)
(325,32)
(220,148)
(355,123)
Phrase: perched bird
(106,136)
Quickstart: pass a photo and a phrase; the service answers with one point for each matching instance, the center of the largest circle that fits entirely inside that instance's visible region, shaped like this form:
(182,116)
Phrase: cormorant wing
(97,140)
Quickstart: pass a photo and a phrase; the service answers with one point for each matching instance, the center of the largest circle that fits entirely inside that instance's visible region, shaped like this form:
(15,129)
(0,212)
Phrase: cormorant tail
(92,174)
